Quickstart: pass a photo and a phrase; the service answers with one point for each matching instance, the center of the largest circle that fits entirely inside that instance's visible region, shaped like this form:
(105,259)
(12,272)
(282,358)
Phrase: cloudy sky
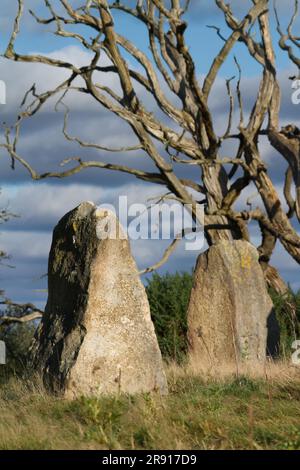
(39,205)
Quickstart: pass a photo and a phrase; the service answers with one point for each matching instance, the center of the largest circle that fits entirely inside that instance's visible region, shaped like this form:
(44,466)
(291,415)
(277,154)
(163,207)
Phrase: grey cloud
(55,200)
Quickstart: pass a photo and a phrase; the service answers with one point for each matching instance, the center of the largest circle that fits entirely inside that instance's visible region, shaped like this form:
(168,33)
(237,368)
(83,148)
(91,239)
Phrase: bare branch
(28,312)
(164,258)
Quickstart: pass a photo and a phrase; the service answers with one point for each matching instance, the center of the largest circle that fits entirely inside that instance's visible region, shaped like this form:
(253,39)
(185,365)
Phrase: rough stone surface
(96,336)
(230,312)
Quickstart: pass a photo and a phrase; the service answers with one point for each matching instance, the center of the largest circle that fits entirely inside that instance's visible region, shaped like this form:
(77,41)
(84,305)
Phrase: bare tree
(188,132)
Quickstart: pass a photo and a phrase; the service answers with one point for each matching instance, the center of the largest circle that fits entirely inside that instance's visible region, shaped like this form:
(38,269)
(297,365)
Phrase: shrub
(17,338)
(168,297)
(287,308)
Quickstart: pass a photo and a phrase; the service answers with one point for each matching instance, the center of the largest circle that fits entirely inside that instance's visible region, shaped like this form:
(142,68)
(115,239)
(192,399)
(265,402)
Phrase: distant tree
(287,308)
(168,297)
(17,337)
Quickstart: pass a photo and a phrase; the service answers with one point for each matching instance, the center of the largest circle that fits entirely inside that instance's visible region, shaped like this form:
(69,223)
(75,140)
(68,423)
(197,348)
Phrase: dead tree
(188,134)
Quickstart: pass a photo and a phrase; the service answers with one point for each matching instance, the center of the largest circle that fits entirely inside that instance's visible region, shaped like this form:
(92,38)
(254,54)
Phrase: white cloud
(26,245)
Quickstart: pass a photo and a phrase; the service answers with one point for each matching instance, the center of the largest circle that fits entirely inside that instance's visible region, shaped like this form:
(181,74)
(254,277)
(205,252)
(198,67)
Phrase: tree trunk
(214,180)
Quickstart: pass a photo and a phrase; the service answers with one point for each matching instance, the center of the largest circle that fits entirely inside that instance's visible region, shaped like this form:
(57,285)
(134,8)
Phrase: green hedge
(287,309)
(168,297)
(17,340)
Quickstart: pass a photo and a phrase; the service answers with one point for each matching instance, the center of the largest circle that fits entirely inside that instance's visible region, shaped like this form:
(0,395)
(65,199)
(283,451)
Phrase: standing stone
(96,336)
(230,310)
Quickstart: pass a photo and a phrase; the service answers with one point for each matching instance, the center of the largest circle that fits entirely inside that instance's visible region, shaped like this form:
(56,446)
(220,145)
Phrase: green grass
(230,413)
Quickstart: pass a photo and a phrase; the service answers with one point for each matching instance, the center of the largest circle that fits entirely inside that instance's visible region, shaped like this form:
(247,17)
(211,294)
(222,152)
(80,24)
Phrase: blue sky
(40,205)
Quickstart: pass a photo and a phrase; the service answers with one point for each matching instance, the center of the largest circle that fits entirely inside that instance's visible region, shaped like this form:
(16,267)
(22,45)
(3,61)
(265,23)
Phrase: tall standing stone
(96,336)
(230,312)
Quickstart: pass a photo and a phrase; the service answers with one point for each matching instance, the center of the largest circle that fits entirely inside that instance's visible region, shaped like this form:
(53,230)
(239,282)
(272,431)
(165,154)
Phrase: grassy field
(220,411)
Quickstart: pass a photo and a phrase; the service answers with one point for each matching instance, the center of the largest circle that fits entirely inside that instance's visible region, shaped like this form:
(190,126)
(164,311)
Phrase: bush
(168,298)
(17,338)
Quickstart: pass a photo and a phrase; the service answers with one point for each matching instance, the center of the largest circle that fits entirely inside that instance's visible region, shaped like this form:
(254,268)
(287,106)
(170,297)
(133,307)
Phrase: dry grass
(205,409)
(280,371)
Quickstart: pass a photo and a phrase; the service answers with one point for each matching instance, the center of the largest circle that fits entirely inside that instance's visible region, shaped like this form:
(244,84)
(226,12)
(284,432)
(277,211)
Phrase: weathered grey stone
(96,336)
(230,310)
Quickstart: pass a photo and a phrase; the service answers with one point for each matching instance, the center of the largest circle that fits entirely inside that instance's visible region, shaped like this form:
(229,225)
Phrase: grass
(256,410)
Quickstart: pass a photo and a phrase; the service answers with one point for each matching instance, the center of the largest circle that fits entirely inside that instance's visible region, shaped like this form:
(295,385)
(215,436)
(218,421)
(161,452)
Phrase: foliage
(287,308)
(168,298)
(17,338)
